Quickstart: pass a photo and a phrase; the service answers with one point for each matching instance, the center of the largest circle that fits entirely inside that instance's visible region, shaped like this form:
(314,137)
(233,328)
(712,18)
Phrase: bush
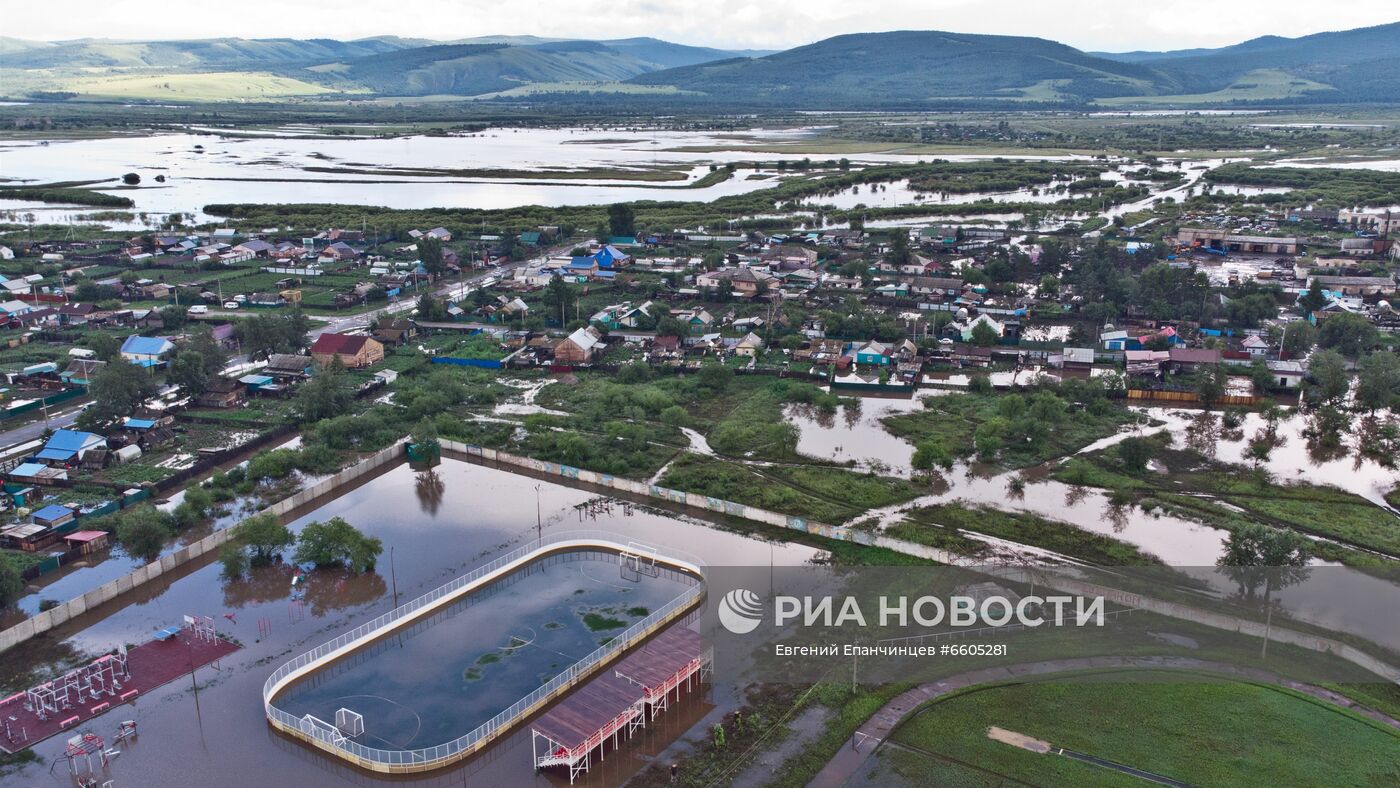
(234,559)
(143,532)
(1135,453)
(337,543)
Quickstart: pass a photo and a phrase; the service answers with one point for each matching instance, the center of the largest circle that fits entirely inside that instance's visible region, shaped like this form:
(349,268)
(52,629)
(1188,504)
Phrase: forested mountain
(912,67)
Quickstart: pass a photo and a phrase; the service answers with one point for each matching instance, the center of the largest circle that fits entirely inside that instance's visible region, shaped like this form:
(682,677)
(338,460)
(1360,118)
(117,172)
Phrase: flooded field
(434,526)
(403,172)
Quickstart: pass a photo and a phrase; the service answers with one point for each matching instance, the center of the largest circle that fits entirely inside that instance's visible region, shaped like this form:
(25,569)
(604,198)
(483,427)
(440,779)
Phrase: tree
(143,532)
(131,179)
(425,435)
(430,255)
(899,247)
(1349,334)
(1328,371)
(1258,555)
(264,335)
(265,535)
(337,543)
(1210,384)
(431,309)
(1135,453)
(989,437)
(1377,380)
(325,396)
(106,346)
(983,335)
(560,298)
(234,560)
(11,583)
(1298,338)
(117,389)
(187,371)
(1312,300)
(621,220)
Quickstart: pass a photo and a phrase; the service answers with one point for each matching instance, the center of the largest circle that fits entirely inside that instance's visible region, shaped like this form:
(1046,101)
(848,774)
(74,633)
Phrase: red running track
(151,664)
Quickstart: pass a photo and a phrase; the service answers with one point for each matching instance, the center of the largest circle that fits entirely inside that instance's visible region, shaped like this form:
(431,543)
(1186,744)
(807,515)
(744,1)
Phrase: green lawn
(953,421)
(1201,732)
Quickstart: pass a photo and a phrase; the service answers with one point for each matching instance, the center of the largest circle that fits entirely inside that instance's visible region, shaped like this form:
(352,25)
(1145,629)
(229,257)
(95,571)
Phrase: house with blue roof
(612,257)
(146,351)
(67,447)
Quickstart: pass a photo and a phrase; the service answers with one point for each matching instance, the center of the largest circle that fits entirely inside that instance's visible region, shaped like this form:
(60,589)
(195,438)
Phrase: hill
(475,69)
(1348,65)
(917,67)
(190,54)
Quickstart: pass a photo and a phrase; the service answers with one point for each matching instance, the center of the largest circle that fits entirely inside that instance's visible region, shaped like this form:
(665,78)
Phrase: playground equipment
(100,678)
(81,748)
(201,627)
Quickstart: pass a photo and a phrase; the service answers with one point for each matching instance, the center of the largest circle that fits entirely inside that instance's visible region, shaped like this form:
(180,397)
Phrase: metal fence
(432,757)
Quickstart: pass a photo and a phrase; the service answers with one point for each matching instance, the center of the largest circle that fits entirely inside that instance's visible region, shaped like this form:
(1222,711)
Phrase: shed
(87,541)
(53,516)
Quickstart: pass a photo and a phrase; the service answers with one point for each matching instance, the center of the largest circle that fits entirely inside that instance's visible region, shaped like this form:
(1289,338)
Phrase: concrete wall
(48,619)
(666,494)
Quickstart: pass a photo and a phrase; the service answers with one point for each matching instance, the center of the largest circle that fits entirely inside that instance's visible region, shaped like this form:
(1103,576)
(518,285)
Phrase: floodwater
(854,434)
(860,436)
(209,168)
(433,526)
(1291,462)
(437,681)
(78,578)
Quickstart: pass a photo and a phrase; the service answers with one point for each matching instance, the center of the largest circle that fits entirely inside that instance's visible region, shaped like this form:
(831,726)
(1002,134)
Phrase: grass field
(212,86)
(1258,85)
(1200,731)
(953,420)
(940,526)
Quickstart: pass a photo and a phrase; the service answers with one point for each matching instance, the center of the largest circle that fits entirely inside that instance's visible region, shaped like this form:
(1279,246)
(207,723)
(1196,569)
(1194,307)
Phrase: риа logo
(740,611)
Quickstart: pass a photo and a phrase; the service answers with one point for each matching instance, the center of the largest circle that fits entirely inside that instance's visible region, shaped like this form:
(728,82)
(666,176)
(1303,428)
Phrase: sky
(1095,25)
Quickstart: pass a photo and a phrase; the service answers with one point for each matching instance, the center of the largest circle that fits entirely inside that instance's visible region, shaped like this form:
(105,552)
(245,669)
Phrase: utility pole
(393,577)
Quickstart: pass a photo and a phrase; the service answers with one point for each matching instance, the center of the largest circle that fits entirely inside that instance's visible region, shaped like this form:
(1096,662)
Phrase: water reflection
(429,488)
(324,590)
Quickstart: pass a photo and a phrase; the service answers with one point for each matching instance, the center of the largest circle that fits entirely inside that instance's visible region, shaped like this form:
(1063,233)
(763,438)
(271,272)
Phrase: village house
(699,320)
(965,328)
(579,347)
(80,371)
(394,330)
(873,353)
(146,351)
(289,366)
(352,350)
(66,448)
(750,346)
(222,393)
(623,315)
(1181,359)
